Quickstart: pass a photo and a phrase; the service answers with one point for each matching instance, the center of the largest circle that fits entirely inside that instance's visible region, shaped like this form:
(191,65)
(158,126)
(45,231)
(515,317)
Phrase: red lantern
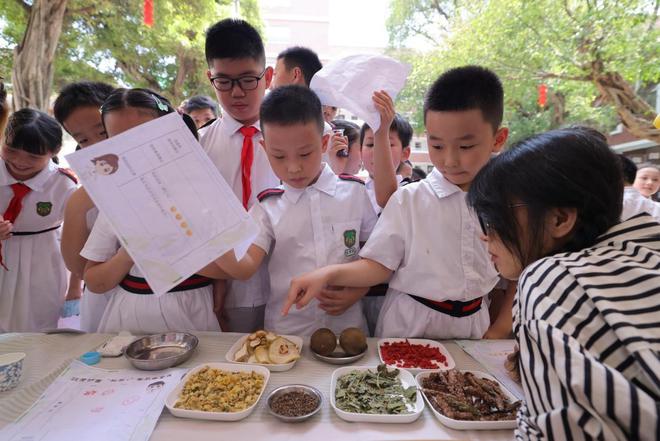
(149,13)
(543,95)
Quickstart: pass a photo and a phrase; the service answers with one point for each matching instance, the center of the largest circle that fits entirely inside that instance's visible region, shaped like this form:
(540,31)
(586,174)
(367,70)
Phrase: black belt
(138,285)
(378,290)
(453,308)
(30,233)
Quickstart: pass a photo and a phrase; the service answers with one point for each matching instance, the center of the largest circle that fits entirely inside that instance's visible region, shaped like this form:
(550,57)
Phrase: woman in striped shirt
(587,311)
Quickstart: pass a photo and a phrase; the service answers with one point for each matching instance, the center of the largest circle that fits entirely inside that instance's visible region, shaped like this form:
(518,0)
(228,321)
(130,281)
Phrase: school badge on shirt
(44,208)
(349,240)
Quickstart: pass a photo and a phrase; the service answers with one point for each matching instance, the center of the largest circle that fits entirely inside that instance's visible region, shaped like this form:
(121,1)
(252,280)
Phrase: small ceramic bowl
(338,356)
(161,351)
(295,388)
(11,369)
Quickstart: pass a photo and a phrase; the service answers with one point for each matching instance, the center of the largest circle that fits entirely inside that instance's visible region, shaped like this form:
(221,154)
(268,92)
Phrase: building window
(354,117)
(418,145)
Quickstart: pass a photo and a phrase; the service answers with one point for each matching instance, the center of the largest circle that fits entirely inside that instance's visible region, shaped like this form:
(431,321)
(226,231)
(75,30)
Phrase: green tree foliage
(594,56)
(106,40)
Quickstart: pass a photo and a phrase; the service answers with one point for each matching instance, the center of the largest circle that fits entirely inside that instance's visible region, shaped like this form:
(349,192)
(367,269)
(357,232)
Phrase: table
(48,355)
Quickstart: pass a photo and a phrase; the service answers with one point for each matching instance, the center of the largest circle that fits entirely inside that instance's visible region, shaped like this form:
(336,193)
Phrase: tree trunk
(187,65)
(635,113)
(32,75)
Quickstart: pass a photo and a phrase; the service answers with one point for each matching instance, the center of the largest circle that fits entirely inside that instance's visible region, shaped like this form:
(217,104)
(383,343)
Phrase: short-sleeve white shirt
(635,203)
(223,142)
(430,239)
(305,229)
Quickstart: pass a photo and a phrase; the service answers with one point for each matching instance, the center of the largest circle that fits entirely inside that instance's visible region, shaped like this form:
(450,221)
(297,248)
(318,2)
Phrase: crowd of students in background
(541,242)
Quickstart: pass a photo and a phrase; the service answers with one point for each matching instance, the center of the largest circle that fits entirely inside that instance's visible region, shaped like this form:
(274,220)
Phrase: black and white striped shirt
(588,326)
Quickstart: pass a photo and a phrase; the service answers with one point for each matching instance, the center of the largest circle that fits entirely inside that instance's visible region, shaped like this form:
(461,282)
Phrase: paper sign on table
(492,354)
(86,403)
(168,204)
(350,82)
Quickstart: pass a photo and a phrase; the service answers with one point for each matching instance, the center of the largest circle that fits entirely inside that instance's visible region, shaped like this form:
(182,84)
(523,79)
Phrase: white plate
(217,416)
(420,341)
(407,380)
(469,425)
(272,367)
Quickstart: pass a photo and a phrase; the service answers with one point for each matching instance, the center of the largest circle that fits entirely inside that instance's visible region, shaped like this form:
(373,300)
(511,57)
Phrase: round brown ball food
(353,341)
(323,341)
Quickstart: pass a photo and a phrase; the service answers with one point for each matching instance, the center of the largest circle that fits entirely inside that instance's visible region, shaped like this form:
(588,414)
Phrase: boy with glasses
(236,69)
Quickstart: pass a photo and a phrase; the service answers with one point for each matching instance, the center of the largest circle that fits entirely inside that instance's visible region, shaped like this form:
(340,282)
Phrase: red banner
(543,95)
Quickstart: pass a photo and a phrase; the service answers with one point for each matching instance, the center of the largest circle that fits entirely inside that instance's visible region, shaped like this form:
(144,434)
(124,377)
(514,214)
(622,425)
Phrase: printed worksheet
(87,403)
(492,354)
(166,201)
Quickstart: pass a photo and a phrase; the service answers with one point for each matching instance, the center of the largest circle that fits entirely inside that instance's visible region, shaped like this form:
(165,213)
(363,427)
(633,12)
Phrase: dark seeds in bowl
(294,404)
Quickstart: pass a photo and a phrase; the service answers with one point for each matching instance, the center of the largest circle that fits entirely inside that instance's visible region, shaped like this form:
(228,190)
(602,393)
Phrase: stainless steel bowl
(161,351)
(339,356)
(294,388)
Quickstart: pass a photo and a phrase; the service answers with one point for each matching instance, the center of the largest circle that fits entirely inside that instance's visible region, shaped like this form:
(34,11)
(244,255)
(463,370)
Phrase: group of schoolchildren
(391,257)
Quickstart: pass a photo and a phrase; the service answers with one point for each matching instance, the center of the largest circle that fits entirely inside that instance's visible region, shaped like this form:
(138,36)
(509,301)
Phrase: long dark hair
(143,99)
(569,168)
(33,131)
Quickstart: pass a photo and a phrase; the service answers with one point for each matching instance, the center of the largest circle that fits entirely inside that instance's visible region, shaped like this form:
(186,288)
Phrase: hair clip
(160,104)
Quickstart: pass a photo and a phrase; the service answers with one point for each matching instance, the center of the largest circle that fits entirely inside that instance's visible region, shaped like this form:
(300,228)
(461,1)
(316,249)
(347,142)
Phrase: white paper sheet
(350,82)
(86,403)
(168,204)
(492,355)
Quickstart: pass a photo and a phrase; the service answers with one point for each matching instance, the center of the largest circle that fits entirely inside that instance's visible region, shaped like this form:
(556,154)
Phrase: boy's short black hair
(629,169)
(288,105)
(234,38)
(80,94)
(306,59)
(400,125)
(467,88)
(200,102)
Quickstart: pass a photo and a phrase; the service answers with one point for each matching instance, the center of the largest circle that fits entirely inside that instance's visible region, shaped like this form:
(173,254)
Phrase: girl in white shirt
(132,306)
(33,194)
(586,310)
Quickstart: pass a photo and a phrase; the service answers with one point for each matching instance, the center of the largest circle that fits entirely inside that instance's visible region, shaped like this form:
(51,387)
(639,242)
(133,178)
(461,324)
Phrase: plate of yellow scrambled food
(218,391)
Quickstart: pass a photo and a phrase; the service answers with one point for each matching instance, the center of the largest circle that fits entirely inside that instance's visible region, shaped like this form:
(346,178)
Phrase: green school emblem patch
(44,208)
(350,237)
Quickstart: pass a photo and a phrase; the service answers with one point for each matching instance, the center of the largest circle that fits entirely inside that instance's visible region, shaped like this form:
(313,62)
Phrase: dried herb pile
(463,396)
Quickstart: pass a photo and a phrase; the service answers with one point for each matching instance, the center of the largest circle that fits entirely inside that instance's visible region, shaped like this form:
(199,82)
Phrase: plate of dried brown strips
(468,400)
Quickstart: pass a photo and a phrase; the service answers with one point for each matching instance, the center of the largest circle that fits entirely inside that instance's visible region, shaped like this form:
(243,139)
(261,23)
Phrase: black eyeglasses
(485,225)
(246,82)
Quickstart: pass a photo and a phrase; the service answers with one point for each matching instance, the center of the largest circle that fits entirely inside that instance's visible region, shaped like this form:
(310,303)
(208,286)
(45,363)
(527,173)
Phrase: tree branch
(438,8)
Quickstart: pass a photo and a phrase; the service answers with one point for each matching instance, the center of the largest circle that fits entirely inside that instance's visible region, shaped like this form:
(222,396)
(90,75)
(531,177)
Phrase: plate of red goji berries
(414,354)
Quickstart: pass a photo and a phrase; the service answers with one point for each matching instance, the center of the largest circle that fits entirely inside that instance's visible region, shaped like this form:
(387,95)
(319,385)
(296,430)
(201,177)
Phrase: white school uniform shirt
(223,142)
(371,191)
(430,239)
(190,310)
(635,203)
(305,229)
(32,291)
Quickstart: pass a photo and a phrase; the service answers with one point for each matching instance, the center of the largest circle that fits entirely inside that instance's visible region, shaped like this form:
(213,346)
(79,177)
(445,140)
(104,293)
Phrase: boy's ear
(268,76)
(324,142)
(501,136)
(208,74)
(263,144)
(405,153)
